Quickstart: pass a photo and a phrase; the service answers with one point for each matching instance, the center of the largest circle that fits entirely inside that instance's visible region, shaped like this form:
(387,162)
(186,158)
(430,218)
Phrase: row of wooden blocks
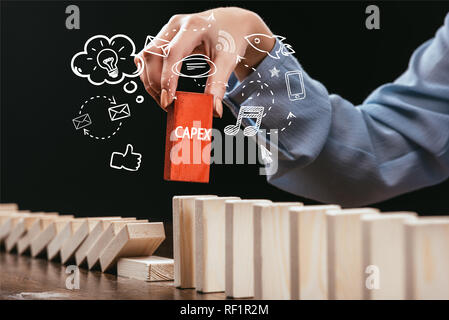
(266,250)
(90,242)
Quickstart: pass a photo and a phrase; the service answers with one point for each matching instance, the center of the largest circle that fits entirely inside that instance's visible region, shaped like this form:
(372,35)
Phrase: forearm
(397,141)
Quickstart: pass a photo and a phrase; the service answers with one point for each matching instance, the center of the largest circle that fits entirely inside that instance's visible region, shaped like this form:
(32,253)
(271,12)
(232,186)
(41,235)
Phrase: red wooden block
(188,137)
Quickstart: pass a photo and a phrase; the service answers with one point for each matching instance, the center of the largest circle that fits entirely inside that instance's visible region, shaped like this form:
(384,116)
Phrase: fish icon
(256,39)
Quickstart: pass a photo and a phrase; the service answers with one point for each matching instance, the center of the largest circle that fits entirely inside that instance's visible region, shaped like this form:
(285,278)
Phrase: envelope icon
(157,46)
(82,121)
(119,112)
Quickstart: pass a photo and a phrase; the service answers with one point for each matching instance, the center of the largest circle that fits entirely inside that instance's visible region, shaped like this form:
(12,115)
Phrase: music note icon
(246,112)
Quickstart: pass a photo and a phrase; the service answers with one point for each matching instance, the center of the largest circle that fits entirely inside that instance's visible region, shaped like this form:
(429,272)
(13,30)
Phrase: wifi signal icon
(226,42)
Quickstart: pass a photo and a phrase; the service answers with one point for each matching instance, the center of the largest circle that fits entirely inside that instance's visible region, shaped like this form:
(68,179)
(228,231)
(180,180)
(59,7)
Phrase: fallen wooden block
(133,240)
(5,226)
(16,228)
(51,229)
(210,246)
(21,227)
(55,245)
(272,250)
(427,259)
(184,239)
(9,207)
(36,228)
(151,268)
(308,251)
(384,255)
(345,271)
(9,220)
(70,246)
(94,235)
(239,252)
(5,215)
(93,254)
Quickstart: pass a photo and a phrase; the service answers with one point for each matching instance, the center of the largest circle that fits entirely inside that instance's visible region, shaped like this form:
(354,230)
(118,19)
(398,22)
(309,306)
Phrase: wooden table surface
(22,277)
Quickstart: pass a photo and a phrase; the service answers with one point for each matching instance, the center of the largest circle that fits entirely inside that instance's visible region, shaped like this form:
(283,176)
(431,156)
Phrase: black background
(47,165)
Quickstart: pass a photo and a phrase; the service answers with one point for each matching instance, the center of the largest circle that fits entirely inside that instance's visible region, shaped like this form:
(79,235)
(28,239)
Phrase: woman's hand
(198,34)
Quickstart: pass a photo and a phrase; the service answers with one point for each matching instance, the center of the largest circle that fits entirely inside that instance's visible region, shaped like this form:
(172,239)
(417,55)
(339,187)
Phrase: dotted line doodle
(107,137)
(87,132)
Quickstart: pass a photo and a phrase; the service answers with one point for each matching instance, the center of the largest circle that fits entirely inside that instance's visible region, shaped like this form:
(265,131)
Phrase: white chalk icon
(211,17)
(157,46)
(295,85)
(139,99)
(226,42)
(274,72)
(82,121)
(129,160)
(119,112)
(130,91)
(239,59)
(103,53)
(246,112)
(195,62)
(255,40)
(266,155)
(108,59)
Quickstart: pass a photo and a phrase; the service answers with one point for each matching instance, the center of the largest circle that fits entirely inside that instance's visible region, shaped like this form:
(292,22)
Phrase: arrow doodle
(86,132)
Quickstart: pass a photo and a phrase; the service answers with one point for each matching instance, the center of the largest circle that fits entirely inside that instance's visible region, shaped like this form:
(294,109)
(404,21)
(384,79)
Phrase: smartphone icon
(295,85)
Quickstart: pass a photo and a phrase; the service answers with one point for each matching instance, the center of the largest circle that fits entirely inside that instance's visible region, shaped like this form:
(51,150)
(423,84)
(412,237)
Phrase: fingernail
(219,107)
(164,98)
(136,61)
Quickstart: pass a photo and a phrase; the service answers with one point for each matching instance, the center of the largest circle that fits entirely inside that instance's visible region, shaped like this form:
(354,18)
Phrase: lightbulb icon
(107,59)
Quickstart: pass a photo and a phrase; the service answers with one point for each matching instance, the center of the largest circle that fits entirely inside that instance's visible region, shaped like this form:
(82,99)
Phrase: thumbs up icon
(129,160)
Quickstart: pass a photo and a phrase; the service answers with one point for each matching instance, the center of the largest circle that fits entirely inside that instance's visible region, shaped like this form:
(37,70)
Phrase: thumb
(217,83)
(129,149)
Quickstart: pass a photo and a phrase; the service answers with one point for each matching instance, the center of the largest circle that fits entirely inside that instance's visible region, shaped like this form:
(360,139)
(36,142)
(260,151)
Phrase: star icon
(274,72)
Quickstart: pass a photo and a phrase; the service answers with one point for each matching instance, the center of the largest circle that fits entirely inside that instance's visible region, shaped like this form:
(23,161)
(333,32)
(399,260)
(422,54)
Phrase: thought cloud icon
(107,60)
(197,66)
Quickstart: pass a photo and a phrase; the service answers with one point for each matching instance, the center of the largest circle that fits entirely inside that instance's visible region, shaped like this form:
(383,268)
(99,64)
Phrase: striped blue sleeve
(331,151)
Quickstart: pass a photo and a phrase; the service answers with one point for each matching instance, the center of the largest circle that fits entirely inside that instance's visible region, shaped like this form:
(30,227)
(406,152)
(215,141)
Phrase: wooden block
(344,243)
(93,254)
(184,239)
(210,247)
(50,230)
(5,216)
(5,228)
(16,230)
(70,246)
(384,255)
(94,235)
(427,259)
(54,247)
(308,251)
(10,219)
(239,252)
(36,228)
(152,268)
(133,240)
(9,207)
(272,250)
(21,227)
(188,137)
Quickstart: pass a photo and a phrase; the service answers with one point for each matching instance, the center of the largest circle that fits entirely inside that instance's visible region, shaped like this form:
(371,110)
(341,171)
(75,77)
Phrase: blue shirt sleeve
(395,142)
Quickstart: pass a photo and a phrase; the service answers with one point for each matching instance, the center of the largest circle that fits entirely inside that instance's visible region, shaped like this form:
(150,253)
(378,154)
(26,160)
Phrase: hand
(191,34)
(128,161)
